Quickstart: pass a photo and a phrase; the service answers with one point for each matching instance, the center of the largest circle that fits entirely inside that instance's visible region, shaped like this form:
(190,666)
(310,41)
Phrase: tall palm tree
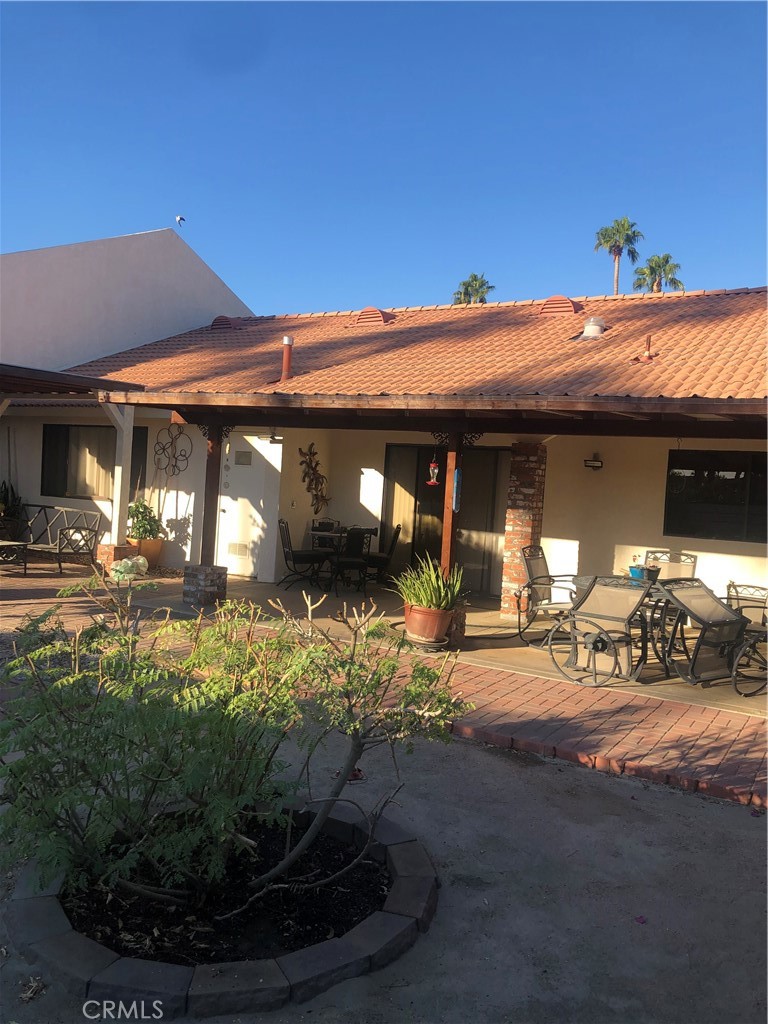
(658,271)
(474,289)
(620,237)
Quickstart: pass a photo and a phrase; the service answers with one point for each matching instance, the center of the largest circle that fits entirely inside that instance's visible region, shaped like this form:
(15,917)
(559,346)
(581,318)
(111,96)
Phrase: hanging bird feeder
(433,468)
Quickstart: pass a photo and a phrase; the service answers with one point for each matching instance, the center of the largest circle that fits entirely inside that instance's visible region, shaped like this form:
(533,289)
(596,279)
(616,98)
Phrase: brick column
(525,508)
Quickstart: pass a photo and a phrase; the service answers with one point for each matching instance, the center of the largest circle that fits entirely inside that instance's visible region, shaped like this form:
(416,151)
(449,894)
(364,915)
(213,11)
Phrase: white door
(246,541)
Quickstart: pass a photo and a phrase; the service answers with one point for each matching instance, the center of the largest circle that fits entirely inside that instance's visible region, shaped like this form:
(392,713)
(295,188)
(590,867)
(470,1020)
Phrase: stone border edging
(43,935)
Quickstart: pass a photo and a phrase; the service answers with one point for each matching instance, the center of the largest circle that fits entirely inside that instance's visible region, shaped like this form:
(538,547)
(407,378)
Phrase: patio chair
(534,598)
(604,635)
(379,561)
(325,526)
(353,558)
(302,564)
(672,564)
(750,668)
(712,654)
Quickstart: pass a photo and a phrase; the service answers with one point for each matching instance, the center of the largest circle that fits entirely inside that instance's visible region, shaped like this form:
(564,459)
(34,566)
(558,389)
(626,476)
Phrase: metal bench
(53,530)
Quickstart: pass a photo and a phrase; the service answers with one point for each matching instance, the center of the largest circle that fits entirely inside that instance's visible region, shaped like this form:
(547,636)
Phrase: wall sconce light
(594,463)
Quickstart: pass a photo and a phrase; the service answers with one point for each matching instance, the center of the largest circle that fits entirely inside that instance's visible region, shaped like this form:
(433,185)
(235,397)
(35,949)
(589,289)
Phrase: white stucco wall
(65,305)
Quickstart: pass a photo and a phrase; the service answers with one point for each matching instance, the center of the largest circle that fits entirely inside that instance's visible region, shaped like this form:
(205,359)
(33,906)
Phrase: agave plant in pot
(430,597)
(144,531)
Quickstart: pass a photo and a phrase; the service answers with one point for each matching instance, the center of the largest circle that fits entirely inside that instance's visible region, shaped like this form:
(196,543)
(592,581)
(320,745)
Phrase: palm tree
(474,289)
(658,271)
(620,237)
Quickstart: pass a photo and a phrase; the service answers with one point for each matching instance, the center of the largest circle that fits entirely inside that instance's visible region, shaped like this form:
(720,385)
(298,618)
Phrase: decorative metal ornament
(173,448)
(208,430)
(442,439)
(433,468)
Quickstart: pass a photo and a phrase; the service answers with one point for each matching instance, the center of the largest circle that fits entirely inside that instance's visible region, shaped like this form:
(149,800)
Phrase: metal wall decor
(312,478)
(173,448)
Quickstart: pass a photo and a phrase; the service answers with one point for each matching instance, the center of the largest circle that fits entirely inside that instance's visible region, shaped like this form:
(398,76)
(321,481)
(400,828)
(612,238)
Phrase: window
(79,461)
(716,495)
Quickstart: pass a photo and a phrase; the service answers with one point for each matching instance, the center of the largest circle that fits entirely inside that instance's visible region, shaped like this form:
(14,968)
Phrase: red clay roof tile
(710,344)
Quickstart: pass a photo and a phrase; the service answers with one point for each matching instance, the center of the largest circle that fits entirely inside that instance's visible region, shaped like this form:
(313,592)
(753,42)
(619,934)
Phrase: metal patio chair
(379,561)
(750,668)
(302,564)
(534,597)
(325,526)
(353,558)
(672,564)
(710,655)
(605,633)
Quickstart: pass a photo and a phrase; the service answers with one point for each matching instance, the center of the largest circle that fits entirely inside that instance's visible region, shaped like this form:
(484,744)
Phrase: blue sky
(338,155)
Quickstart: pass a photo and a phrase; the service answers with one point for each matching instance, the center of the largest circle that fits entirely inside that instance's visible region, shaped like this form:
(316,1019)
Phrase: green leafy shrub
(427,586)
(143,524)
(153,748)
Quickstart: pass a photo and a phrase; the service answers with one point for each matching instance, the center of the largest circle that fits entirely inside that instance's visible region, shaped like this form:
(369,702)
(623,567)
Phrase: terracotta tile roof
(707,344)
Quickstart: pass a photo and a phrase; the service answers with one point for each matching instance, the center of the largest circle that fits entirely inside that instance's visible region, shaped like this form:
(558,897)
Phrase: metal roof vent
(372,315)
(594,327)
(560,305)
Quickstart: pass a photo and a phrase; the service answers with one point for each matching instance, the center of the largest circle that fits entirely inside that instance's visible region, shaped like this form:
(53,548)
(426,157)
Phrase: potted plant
(144,530)
(430,597)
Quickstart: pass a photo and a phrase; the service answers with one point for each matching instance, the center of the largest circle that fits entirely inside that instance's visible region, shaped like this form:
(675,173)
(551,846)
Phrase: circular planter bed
(43,934)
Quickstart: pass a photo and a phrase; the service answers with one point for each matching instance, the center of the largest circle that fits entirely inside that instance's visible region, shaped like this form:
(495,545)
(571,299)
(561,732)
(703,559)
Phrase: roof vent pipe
(593,327)
(287,353)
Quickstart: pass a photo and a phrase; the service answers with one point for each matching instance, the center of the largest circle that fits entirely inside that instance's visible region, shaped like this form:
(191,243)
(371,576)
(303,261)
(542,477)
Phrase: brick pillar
(106,554)
(525,508)
(204,585)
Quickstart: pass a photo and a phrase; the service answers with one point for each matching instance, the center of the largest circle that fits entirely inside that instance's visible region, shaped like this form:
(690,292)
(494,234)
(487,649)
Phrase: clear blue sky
(337,155)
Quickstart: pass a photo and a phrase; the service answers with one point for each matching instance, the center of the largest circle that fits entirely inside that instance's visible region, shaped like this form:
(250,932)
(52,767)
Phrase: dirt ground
(568,896)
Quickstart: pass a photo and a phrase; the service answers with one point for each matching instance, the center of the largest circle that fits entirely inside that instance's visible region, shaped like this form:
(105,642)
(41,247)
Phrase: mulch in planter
(279,923)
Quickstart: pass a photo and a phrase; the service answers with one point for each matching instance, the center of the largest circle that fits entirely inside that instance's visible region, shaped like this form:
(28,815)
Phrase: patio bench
(54,530)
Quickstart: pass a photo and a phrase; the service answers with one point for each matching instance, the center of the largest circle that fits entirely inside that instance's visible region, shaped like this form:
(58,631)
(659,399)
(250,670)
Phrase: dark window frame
(715,494)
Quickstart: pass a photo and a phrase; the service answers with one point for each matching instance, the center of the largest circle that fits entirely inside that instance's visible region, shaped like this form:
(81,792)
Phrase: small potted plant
(429,597)
(144,529)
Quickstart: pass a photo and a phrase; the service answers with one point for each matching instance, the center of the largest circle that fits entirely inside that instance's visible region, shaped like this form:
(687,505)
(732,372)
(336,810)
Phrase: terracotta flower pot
(426,625)
(150,549)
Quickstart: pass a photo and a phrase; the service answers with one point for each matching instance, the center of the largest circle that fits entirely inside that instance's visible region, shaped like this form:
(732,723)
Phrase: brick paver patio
(715,751)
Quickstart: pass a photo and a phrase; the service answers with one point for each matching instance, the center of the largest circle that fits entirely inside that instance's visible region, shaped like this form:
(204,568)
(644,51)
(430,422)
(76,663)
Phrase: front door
(246,541)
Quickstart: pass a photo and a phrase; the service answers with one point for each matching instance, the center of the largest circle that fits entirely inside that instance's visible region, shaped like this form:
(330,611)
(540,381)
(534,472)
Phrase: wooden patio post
(211,496)
(453,462)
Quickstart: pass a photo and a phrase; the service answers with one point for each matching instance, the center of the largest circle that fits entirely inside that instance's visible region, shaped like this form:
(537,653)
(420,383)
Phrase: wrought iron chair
(605,633)
(302,564)
(324,526)
(750,669)
(534,597)
(353,558)
(379,561)
(712,654)
(672,564)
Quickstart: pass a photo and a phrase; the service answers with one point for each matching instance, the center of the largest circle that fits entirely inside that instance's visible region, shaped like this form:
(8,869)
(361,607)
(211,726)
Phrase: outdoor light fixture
(433,468)
(594,463)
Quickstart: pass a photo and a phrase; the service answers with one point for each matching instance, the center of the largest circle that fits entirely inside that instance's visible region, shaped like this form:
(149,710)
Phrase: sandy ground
(568,896)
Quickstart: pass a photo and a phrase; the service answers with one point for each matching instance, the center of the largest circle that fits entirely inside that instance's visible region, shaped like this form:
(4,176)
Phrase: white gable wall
(65,305)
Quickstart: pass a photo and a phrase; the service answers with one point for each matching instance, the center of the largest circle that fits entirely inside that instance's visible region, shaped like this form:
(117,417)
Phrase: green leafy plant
(153,749)
(427,586)
(143,524)
(10,502)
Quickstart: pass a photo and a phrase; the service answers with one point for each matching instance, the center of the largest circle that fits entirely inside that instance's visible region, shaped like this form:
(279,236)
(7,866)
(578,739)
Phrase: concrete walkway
(711,741)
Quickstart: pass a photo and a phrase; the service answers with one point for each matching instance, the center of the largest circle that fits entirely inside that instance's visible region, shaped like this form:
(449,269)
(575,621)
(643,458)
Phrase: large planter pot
(426,625)
(149,549)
